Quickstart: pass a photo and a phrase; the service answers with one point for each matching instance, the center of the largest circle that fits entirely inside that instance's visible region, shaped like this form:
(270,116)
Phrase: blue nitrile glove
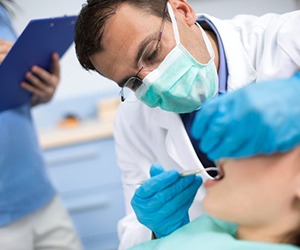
(259,118)
(163,201)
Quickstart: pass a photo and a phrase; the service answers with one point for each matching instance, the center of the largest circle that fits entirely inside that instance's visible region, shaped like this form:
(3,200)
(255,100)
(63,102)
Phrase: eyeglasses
(149,60)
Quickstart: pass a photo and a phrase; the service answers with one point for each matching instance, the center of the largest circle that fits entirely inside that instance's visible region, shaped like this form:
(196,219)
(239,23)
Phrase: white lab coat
(257,49)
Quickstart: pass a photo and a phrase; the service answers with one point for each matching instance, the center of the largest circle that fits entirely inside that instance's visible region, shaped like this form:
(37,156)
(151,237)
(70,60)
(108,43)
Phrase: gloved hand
(259,118)
(163,201)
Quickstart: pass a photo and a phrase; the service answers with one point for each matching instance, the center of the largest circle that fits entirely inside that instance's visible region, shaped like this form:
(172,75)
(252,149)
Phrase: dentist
(174,61)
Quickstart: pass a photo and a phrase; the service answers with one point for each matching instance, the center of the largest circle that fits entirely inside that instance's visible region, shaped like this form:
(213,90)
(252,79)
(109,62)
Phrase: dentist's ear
(186,10)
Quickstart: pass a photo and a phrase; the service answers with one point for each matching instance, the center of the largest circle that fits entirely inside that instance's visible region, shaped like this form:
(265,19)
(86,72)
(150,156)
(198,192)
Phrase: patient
(254,205)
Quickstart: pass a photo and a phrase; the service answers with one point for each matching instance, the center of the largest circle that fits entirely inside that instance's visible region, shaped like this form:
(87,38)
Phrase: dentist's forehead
(123,33)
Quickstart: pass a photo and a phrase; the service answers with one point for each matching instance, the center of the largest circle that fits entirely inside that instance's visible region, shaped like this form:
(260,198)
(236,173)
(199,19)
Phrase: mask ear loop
(174,23)
(207,42)
(177,37)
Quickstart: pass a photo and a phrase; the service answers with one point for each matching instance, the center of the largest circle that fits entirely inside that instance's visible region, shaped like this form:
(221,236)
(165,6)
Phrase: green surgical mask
(180,84)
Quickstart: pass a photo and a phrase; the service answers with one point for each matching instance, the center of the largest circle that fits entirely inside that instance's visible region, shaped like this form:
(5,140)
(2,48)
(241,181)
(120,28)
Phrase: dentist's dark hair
(91,22)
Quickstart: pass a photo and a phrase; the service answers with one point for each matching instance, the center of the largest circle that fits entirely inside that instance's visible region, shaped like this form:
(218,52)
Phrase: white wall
(230,8)
(76,81)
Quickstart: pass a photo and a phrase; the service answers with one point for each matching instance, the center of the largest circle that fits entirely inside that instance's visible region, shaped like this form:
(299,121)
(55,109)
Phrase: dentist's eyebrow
(143,45)
(141,48)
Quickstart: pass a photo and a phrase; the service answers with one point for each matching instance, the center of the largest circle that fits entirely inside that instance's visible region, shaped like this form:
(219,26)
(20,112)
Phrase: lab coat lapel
(240,69)
(177,142)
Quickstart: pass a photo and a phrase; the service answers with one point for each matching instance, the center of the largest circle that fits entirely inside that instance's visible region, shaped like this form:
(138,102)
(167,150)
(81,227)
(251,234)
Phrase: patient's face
(255,191)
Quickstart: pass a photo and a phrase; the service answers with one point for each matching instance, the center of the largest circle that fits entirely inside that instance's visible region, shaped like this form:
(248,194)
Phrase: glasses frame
(136,76)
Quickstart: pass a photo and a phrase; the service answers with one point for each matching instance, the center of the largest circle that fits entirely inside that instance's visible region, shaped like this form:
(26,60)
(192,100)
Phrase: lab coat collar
(240,69)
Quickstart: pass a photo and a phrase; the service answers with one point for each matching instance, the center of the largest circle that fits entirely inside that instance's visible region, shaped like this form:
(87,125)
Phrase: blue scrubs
(24,185)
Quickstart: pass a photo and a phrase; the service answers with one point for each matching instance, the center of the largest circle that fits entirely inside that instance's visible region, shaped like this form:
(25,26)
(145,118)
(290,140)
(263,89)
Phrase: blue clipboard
(35,46)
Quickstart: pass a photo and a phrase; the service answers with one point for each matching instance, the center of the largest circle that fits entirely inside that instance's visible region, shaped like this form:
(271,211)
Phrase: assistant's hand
(259,118)
(5,47)
(163,201)
(43,83)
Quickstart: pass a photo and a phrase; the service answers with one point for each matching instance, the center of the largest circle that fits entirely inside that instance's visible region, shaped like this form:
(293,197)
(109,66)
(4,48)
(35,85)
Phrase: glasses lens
(127,92)
(128,95)
(133,83)
(152,55)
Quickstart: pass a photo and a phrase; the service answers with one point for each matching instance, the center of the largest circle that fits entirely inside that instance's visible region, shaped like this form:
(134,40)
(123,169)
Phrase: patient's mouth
(221,174)
(220,171)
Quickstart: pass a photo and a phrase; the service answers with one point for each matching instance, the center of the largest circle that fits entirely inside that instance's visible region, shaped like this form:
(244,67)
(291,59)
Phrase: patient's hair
(91,22)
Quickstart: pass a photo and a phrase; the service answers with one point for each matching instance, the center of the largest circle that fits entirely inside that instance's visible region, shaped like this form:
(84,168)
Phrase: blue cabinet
(88,179)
